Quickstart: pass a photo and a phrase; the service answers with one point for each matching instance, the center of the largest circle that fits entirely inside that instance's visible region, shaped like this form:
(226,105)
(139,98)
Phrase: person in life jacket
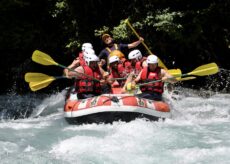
(135,63)
(116,70)
(110,45)
(91,84)
(87,48)
(150,73)
(119,54)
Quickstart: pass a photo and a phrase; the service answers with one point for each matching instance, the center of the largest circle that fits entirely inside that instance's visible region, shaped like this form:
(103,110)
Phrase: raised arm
(136,43)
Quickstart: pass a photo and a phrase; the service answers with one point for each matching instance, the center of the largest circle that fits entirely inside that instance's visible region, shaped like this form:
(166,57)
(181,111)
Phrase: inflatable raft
(107,108)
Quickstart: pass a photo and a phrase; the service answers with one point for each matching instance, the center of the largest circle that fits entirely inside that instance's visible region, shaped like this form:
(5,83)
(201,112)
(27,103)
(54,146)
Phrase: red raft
(107,108)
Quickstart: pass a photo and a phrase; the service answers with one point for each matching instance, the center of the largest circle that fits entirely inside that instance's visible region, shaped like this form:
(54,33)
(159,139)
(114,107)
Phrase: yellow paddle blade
(42,58)
(174,72)
(204,70)
(36,77)
(34,86)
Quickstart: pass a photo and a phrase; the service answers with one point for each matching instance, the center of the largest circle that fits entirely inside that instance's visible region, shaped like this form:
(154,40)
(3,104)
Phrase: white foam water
(198,132)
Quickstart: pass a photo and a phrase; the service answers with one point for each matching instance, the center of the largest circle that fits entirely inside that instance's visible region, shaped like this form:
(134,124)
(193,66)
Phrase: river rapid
(198,132)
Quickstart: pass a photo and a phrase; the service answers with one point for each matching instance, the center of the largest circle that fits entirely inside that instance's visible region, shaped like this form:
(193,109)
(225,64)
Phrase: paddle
(45,59)
(161,64)
(173,72)
(38,77)
(204,70)
(177,73)
(34,86)
(38,81)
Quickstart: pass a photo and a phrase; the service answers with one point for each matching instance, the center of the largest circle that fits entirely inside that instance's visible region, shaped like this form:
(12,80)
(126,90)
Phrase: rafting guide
(110,46)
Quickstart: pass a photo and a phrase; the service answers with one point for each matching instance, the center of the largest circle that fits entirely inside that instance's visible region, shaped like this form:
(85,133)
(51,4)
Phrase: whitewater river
(198,132)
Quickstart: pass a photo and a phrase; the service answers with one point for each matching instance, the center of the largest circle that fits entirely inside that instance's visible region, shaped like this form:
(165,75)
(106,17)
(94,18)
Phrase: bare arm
(75,74)
(136,43)
(144,64)
(166,77)
(129,80)
(73,65)
(138,77)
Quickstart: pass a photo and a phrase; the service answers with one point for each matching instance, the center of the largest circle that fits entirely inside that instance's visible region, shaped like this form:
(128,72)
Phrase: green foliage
(120,32)
(61,11)
(99,32)
(59,8)
(164,21)
(72,44)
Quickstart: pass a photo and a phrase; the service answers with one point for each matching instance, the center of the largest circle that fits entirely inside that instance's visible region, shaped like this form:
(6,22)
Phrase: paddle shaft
(143,43)
(134,31)
(64,77)
(81,74)
(45,59)
(155,81)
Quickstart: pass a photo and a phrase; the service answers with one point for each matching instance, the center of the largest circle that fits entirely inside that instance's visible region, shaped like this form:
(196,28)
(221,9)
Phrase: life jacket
(115,46)
(109,50)
(81,59)
(147,76)
(139,63)
(138,67)
(86,84)
(118,74)
(129,68)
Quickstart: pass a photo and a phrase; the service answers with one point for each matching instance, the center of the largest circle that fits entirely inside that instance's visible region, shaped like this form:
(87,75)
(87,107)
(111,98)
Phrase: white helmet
(86,46)
(152,59)
(91,58)
(87,53)
(113,59)
(135,54)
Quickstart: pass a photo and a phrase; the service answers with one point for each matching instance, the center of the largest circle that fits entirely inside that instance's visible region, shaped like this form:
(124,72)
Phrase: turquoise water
(198,132)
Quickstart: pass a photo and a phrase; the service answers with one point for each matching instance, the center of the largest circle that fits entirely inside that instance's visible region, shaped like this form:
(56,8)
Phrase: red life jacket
(138,67)
(86,84)
(147,76)
(118,74)
(129,68)
(81,59)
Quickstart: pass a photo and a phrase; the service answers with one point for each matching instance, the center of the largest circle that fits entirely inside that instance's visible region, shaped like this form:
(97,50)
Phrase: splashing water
(198,132)
(219,82)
